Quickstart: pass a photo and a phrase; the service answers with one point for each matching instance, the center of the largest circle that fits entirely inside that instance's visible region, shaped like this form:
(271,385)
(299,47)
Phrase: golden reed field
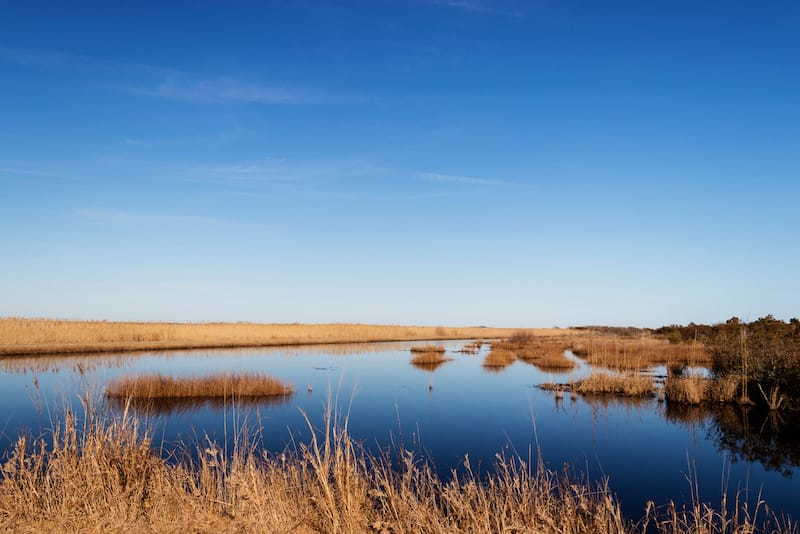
(20,336)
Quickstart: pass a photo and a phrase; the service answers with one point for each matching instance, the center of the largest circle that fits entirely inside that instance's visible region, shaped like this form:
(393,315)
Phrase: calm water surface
(647,449)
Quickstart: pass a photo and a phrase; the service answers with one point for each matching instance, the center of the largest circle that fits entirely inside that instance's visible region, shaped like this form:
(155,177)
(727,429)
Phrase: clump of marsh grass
(690,389)
(499,358)
(429,361)
(544,357)
(545,352)
(629,385)
(226,385)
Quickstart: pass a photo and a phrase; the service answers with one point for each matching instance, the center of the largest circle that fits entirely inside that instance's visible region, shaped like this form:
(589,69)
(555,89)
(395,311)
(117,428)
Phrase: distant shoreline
(28,337)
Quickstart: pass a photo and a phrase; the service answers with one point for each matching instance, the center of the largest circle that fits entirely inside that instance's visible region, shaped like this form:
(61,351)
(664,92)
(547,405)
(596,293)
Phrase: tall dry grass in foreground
(41,336)
(104,476)
(224,385)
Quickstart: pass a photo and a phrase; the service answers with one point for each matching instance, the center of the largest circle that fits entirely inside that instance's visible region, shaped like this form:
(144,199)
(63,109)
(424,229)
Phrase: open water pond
(649,450)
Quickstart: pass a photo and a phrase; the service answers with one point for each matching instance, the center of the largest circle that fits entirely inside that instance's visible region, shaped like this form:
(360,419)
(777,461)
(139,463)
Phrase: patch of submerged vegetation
(104,475)
(220,386)
(427,349)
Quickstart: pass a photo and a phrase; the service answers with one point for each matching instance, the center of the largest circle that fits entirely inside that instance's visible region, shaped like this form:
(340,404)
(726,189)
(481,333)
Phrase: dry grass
(499,358)
(628,353)
(630,385)
(20,336)
(687,390)
(695,390)
(548,358)
(230,385)
(104,476)
(546,352)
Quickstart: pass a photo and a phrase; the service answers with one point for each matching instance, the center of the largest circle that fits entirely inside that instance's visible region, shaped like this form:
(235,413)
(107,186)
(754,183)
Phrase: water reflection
(749,434)
(175,406)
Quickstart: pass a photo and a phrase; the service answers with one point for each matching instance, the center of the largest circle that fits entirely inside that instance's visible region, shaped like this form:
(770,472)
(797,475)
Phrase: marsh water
(647,449)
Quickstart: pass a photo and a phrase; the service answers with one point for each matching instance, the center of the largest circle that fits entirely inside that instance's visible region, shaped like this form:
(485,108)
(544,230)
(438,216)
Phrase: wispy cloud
(271,170)
(226,90)
(111,216)
(464,180)
(162,82)
(478,6)
(50,60)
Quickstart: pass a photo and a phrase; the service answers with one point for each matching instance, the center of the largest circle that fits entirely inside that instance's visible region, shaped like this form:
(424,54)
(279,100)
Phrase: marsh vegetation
(220,385)
(46,336)
(104,475)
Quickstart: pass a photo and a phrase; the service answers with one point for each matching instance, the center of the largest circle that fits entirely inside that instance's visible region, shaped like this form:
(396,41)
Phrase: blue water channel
(647,449)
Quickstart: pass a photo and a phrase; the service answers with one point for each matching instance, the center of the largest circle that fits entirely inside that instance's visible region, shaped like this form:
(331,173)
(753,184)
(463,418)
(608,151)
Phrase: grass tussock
(636,352)
(499,358)
(546,352)
(235,385)
(696,390)
(629,385)
(104,476)
(21,336)
(429,360)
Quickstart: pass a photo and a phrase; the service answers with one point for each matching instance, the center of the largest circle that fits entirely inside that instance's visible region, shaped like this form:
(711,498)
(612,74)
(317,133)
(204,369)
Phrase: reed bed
(21,336)
(546,352)
(637,352)
(429,358)
(499,358)
(629,385)
(696,390)
(103,475)
(226,385)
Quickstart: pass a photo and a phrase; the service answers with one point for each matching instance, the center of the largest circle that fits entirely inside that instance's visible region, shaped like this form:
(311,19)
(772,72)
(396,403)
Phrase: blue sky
(400,161)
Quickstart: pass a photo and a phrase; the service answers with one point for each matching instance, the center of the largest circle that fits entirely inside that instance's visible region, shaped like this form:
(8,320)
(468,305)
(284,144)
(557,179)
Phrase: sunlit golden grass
(694,389)
(625,353)
(546,357)
(230,385)
(629,385)
(546,352)
(106,476)
(41,336)
(499,358)
(428,358)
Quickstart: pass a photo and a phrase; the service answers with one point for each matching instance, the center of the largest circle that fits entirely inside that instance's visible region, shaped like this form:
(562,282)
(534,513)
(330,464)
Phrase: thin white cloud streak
(464,180)
(113,217)
(46,59)
(475,6)
(226,90)
(271,170)
(164,82)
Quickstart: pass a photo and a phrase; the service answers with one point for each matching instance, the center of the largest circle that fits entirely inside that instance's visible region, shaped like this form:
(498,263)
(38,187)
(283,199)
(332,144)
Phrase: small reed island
(216,386)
